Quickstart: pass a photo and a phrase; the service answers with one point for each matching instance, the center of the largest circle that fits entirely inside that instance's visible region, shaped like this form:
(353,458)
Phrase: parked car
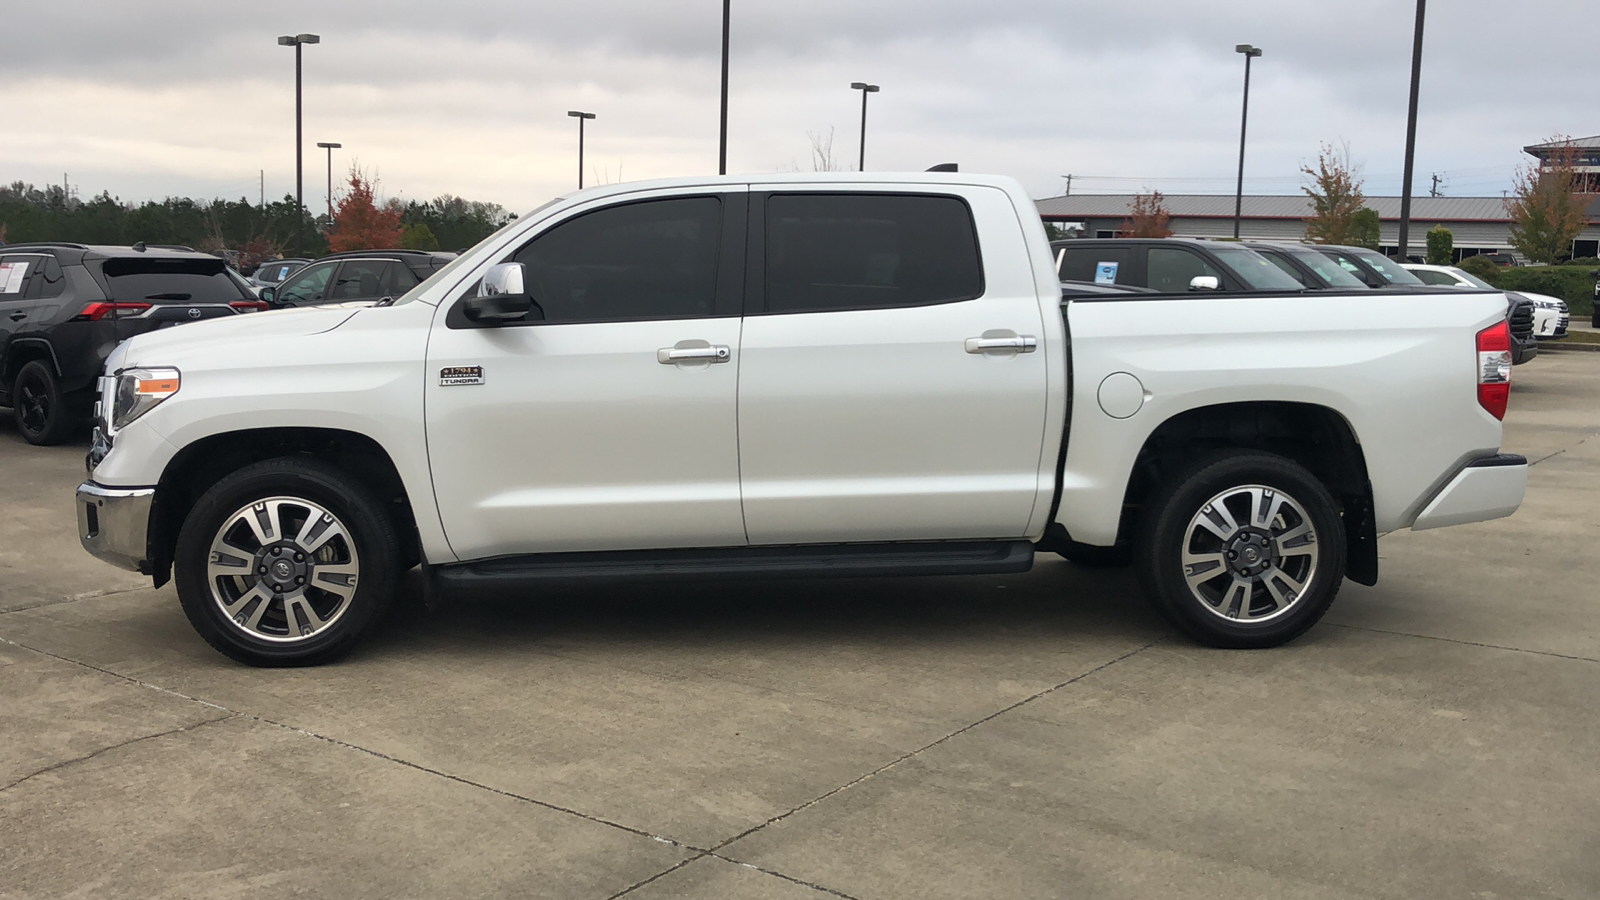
(63,307)
(274,271)
(1380,271)
(359,276)
(1168,265)
(1315,270)
(1550,315)
(876,374)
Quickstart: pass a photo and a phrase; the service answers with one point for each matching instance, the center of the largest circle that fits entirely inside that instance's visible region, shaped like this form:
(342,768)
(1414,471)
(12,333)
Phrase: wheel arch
(23,350)
(198,466)
(1315,436)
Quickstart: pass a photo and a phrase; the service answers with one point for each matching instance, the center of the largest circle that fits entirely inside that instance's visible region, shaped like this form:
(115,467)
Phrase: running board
(825,561)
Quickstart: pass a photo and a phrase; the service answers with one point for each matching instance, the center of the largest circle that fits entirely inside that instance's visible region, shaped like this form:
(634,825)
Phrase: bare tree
(1147,217)
(1548,207)
(822,159)
(1335,193)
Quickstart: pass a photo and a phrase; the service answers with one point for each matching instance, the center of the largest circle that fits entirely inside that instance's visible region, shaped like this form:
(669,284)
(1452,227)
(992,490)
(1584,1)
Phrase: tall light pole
(1244,119)
(722,143)
(330,148)
(580,116)
(1411,134)
(865,89)
(297,41)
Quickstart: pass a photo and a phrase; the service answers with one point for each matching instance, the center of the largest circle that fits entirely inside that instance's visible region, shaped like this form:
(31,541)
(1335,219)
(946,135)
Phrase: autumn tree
(1335,193)
(1147,217)
(1547,208)
(359,222)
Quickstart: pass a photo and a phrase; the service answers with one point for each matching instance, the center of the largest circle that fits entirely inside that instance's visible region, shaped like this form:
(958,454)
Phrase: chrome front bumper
(1487,488)
(114,524)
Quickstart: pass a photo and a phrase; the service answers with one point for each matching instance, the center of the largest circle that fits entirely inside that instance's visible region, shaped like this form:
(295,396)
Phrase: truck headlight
(139,390)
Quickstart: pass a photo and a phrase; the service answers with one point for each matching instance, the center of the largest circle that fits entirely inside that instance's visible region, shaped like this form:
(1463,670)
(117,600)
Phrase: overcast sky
(194,98)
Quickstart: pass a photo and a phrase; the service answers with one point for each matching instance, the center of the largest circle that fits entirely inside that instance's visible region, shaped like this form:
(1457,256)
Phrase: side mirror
(1205,283)
(269,295)
(501,296)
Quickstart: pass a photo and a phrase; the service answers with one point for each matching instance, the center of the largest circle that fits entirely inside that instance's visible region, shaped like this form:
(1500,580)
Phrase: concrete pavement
(1039,735)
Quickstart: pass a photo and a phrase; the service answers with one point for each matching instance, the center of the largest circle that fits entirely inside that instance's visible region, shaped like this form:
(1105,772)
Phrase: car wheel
(1242,550)
(38,407)
(286,563)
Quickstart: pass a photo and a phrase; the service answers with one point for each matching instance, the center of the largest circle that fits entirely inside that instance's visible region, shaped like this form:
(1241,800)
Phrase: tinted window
(1329,271)
(1427,276)
(1383,265)
(1289,269)
(1084,263)
(171,281)
(274,272)
(1170,269)
(1254,269)
(651,260)
(397,279)
(358,279)
(309,285)
(869,251)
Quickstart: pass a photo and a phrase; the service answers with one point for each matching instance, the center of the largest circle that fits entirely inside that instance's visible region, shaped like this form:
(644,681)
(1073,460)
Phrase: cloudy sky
(193,97)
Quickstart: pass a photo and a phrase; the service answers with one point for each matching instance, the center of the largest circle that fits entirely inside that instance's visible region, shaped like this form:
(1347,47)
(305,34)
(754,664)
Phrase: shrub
(1481,267)
(1573,284)
(1441,246)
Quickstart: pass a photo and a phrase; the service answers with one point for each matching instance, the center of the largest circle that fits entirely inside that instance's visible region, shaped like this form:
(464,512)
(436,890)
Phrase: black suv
(357,276)
(1166,265)
(64,307)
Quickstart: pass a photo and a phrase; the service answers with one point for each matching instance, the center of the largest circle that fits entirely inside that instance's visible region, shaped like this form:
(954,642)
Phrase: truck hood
(148,349)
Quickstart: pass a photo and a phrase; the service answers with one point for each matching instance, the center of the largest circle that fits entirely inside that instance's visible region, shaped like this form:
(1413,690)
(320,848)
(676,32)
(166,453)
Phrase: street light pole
(580,116)
(865,89)
(1411,135)
(722,144)
(330,148)
(297,41)
(1244,120)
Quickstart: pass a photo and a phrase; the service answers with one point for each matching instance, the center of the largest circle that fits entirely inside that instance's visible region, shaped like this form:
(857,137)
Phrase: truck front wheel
(286,562)
(1242,549)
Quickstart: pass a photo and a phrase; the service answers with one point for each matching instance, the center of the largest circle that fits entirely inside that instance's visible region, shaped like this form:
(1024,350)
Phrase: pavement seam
(1559,452)
(103,750)
(1434,637)
(87,595)
(661,874)
(790,878)
(959,731)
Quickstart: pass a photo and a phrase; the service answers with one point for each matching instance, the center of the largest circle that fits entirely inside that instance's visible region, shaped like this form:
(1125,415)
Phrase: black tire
(38,406)
(1092,557)
(370,546)
(1170,527)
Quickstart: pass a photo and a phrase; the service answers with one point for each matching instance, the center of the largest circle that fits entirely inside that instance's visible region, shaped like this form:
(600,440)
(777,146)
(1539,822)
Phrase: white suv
(1550,315)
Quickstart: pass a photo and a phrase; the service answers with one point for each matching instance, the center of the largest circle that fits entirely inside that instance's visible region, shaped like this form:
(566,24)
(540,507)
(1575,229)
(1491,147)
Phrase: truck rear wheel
(286,563)
(1242,549)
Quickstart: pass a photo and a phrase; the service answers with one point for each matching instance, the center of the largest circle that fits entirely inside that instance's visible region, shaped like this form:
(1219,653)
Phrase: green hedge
(1573,284)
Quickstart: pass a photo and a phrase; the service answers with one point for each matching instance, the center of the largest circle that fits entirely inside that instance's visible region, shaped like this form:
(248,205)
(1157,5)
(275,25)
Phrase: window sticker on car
(453,375)
(1105,273)
(12,277)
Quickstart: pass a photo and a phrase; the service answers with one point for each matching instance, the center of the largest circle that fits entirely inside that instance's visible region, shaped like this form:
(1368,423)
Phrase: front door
(606,418)
(893,378)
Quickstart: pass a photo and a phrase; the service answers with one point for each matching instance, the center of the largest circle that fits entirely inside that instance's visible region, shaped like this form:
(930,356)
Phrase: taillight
(245,306)
(96,311)
(1494,369)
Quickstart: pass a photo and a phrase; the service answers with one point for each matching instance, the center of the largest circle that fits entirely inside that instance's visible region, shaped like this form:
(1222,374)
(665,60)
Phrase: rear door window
(827,252)
(147,280)
(1106,265)
(309,285)
(359,279)
(397,279)
(1170,269)
(1428,276)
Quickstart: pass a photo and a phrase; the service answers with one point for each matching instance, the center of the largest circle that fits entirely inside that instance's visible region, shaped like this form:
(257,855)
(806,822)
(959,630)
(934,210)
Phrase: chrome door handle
(716,353)
(1026,343)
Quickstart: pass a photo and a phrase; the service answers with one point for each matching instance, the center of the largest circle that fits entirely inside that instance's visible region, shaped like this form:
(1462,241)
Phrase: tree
(1441,246)
(359,223)
(1547,209)
(419,237)
(1366,229)
(1147,217)
(1335,193)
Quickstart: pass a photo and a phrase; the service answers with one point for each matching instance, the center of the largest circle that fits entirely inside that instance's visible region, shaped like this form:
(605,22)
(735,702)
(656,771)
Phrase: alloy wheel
(1250,553)
(282,569)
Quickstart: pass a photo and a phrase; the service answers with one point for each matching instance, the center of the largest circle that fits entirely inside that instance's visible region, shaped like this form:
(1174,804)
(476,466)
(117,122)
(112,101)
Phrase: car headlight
(1546,304)
(139,390)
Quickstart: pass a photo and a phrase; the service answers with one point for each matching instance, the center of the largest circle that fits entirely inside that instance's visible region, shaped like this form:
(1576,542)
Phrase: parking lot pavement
(1033,735)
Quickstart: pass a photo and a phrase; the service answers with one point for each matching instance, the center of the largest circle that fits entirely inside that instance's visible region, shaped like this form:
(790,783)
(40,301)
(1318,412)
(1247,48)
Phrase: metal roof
(1208,206)
(1584,143)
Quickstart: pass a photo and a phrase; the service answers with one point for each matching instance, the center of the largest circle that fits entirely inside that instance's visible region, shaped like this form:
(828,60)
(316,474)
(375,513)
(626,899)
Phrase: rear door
(885,391)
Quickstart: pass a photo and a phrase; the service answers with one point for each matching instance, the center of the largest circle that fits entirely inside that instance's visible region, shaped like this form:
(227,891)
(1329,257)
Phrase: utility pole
(263,188)
(1067,191)
(298,41)
(1434,191)
(865,89)
(722,143)
(1244,119)
(1411,135)
(580,116)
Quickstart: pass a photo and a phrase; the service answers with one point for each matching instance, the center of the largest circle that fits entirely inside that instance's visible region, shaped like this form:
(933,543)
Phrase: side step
(811,561)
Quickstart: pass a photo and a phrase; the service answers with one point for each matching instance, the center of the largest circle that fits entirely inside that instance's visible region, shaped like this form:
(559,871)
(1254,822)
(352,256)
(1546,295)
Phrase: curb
(1563,346)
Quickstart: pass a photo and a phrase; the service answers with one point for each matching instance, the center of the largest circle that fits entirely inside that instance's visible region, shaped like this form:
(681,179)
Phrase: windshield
(171,281)
(1471,279)
(461,259)
(1254,269)
(1383,265)
(1331,273)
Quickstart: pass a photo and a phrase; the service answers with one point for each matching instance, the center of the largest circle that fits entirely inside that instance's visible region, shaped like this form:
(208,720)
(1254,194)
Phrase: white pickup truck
(795,375)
